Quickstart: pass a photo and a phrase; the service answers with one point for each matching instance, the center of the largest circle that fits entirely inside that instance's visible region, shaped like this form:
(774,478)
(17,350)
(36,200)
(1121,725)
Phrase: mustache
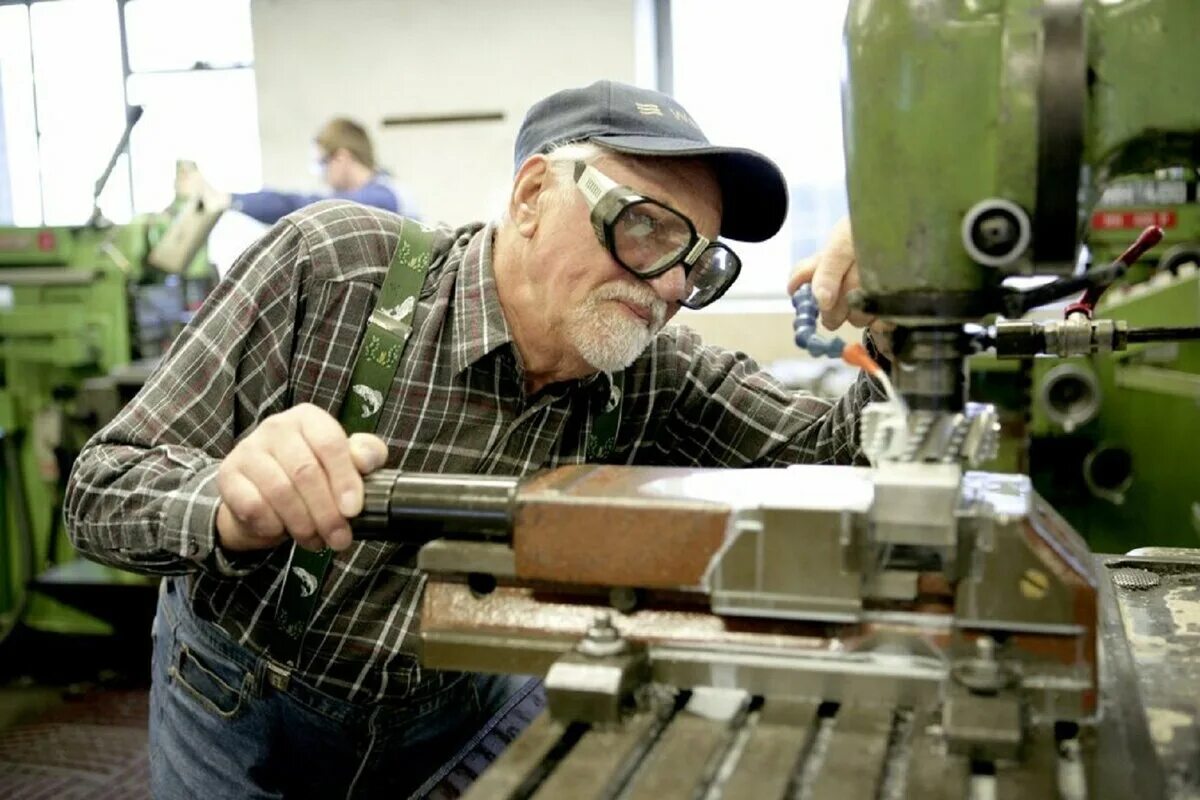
(639,295)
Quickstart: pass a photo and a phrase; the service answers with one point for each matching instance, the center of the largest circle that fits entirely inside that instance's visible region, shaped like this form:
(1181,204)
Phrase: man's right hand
(297,476)
(833,273)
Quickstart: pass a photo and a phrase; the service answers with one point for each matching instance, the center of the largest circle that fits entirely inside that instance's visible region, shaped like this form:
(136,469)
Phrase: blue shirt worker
(347,162)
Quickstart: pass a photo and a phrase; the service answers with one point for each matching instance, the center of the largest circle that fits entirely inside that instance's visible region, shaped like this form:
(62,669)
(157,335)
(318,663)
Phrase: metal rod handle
(416,507)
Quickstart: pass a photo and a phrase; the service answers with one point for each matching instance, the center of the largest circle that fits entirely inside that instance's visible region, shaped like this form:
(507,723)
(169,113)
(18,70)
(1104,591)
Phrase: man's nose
(671,286)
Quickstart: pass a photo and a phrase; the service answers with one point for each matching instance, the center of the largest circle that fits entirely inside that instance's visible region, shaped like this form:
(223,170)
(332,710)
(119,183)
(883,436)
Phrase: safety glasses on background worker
(648,238)
(318,160)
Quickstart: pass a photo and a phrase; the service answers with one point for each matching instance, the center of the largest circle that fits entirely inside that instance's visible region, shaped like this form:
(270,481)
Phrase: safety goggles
(648,238)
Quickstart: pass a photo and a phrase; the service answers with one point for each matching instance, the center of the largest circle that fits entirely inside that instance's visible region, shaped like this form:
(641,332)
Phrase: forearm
(145,509)
(142,494)
(269,206)
(729,413)
(832,437)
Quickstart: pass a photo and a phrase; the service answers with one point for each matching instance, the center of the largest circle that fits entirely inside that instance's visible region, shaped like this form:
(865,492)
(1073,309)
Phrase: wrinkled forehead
(688,185)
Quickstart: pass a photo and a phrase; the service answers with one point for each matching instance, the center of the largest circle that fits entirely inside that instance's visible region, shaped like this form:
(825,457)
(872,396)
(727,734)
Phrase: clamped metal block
(983,713)
(596,682)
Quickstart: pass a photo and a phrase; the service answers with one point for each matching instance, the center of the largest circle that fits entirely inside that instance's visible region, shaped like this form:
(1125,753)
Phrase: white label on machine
(7,298)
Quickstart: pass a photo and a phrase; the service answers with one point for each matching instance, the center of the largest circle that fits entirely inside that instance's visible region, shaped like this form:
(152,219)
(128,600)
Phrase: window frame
(126,74)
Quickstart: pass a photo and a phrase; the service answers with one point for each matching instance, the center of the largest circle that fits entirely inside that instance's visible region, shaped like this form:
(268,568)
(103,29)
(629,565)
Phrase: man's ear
(533,180)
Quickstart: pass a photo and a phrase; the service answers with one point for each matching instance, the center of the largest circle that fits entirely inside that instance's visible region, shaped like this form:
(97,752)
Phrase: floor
(73,742)
(73,719)
(73,716)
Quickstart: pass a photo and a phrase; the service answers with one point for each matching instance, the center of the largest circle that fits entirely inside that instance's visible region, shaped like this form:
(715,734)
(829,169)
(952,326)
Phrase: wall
(370,59)
(6,214)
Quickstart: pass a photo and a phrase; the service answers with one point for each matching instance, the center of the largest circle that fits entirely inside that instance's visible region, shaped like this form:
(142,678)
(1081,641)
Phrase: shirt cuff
(192,511)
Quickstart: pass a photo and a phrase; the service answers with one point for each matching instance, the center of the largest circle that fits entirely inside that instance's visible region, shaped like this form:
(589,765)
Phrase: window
(64,87)
(767,75)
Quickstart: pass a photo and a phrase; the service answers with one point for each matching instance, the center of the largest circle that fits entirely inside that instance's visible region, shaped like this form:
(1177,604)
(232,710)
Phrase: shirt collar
(479,325)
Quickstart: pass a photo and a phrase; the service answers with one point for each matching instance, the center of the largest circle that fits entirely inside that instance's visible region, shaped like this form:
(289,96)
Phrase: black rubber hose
(1185,334)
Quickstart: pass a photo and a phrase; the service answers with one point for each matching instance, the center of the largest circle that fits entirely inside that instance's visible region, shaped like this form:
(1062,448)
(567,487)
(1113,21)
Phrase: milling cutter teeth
(970,437)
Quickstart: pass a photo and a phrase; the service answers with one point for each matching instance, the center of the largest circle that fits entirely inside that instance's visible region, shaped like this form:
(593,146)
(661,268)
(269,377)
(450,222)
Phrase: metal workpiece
(916,504)
(891,432)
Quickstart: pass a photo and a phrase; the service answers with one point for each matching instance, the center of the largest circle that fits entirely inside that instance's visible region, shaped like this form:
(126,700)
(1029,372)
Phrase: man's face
(337,169)
(601,311)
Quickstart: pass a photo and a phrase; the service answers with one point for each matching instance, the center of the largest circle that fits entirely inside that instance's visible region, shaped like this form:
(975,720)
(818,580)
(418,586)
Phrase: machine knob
(996,232)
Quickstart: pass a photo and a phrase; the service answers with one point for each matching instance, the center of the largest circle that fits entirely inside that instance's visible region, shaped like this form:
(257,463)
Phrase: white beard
(608,337)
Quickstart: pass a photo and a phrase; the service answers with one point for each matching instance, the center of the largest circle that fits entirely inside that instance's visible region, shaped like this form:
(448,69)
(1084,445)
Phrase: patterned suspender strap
(388,329)
(603,437)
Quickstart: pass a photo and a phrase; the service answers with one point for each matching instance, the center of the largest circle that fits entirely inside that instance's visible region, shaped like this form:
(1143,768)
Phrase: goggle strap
(594,186)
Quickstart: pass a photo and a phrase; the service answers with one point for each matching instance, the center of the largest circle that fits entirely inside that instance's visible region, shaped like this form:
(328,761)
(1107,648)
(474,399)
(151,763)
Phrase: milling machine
(84,310)
(910,629)
(1094,432)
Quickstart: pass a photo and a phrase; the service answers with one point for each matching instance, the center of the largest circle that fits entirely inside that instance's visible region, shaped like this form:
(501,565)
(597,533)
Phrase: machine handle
(1087,303)
(411,507)
(1094,283)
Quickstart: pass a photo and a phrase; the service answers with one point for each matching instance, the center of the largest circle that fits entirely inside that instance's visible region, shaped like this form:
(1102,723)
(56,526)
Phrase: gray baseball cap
(647,123)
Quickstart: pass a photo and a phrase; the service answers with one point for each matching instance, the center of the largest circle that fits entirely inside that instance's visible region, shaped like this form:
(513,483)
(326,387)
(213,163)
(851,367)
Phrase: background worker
(346,159)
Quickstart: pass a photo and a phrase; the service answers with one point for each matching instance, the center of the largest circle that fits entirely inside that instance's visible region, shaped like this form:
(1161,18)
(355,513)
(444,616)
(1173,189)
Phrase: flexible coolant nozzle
(805,326)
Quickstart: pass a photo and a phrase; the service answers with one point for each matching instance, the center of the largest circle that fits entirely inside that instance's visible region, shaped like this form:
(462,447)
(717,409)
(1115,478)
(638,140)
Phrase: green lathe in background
(83,316)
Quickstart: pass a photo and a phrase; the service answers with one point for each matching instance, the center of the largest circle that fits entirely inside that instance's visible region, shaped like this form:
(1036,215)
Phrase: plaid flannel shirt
(283,328)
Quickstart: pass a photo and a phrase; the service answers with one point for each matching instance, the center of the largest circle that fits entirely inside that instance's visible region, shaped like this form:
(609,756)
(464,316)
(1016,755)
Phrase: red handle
(1087,302)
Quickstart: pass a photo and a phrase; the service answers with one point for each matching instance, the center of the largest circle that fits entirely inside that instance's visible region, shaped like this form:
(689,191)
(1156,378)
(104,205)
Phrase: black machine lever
(132,115)
(1092,283)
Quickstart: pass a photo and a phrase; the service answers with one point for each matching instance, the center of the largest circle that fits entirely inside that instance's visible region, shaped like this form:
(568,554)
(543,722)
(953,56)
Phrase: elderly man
(536,341)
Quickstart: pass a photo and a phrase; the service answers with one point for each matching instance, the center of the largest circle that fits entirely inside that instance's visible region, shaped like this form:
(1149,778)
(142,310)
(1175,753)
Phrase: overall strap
(388,330)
